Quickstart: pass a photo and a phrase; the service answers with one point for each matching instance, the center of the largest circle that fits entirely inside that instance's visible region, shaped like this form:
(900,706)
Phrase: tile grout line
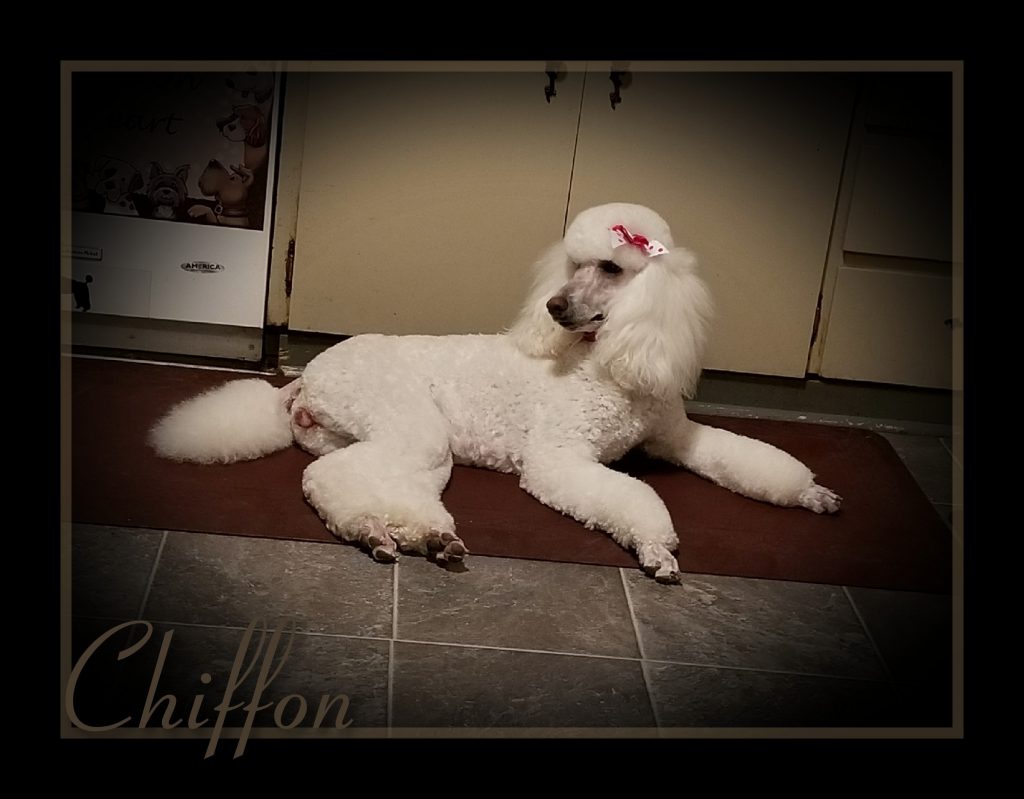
(518,649)
(688,664)
(632,614)
(391,687)
(391,648)
(237,627)
(951,453)
(347,636)
(867,632)
(650,694)
(639,649)
(756,670)
(917,470)
(152,574)
(394,602)
(944,508)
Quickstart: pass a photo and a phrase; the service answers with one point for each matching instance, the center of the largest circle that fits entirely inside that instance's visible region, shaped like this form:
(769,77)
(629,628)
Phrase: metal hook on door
(549,90)
(620,79)
(556,72)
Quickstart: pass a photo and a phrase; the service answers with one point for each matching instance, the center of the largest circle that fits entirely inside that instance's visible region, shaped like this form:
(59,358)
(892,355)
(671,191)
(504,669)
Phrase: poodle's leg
(384,493)
(626,508)
(307,430)
(745,465)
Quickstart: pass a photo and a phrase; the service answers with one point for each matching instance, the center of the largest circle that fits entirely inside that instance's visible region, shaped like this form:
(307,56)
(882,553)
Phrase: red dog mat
(887,534)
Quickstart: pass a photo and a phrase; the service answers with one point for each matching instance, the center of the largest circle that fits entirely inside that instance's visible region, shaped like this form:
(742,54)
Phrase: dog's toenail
(384,555)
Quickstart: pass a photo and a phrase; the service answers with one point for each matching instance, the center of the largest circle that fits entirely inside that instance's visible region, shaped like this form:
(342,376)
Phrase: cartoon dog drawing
(114,181)
(247,124)
(166,191)
(253,87)
(231,190)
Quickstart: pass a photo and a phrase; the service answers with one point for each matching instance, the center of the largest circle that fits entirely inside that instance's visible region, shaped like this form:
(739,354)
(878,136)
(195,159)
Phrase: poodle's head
(618,283)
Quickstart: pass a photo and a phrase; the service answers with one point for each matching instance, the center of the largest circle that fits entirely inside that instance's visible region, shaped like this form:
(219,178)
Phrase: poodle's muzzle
(582,304)
(560,310)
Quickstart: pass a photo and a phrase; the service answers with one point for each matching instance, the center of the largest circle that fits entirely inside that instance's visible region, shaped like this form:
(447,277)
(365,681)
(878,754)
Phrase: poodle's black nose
(557,306)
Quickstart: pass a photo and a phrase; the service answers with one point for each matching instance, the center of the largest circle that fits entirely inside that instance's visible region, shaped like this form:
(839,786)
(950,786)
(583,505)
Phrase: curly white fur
(239,421)
(607,344)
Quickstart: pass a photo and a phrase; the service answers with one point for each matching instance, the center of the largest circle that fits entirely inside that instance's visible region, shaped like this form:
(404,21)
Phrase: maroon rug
(887,534)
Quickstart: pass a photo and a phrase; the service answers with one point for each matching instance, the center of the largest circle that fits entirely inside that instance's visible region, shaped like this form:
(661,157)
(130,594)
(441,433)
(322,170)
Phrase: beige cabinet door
(426,197)
(745,168)
(890,324)
(889,315)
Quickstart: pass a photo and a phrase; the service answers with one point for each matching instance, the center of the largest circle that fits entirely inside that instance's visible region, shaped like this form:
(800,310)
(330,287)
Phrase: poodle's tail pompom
(239,421)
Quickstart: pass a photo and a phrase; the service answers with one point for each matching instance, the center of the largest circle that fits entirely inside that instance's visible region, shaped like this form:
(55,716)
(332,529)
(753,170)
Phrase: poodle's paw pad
(374,536)
(658,562)
(820,499)
(447,547)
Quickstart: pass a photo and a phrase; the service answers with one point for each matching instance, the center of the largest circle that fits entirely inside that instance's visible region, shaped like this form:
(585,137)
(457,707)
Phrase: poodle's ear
(535,332)
(653,339)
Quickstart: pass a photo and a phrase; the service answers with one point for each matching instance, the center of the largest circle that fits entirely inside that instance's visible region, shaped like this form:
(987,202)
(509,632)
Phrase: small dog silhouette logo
(80,292)
(206,267)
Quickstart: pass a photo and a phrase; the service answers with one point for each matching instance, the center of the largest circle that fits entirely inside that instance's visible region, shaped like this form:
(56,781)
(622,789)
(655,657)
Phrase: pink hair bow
(650,247)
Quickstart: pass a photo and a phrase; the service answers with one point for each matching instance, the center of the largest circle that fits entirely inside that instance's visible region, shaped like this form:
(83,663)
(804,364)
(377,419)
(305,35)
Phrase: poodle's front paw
(659,563)
(820,499)
(447,547)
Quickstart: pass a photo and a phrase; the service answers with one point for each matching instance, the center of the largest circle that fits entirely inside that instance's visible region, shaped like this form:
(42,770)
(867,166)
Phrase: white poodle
(606,347)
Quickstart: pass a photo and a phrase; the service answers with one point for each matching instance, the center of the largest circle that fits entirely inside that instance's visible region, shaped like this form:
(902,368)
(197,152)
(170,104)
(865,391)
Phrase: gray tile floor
(504,643)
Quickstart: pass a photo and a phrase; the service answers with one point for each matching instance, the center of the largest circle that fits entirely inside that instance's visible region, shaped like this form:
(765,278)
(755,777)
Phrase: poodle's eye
(610,267)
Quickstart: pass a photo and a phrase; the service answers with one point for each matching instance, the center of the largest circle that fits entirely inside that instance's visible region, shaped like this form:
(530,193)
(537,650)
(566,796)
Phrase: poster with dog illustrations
(171,184)
(181,147)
